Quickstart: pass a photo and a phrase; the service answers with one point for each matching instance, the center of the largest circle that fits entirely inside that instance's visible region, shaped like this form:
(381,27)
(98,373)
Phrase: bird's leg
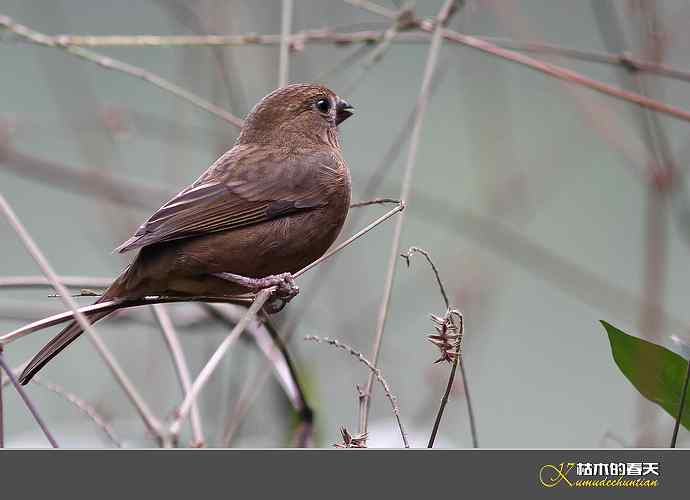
(286,289)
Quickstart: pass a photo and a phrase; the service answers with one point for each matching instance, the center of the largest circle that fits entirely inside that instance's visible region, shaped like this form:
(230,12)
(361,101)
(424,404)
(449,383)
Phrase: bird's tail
(68,335)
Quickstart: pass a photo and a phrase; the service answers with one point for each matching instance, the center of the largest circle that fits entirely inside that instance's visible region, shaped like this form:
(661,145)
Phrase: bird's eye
(323,105)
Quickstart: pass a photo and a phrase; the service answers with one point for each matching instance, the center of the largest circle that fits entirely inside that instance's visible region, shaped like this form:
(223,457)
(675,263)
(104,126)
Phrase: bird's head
(306,110)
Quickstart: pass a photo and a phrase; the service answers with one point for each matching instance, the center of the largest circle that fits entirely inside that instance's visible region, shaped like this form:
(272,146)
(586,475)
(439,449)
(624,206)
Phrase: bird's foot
(286,289)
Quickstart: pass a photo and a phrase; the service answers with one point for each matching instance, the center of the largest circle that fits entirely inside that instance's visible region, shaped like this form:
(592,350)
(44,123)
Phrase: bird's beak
(342,111)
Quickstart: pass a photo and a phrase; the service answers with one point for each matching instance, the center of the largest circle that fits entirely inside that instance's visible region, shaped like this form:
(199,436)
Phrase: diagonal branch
(114,64)
(214,361)
(146,414)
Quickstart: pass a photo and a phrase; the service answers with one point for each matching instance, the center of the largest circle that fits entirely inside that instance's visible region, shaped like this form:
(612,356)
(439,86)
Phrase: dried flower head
(350,441)
(448,335)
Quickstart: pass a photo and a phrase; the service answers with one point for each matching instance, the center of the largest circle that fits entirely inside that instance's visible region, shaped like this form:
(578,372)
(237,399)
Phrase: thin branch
(172,342)
(286,27)
(296,40)
(375,201)
(213,362)
(114,64)
(408,255)
(83,406)
(420,110)
(376,373)
(458,361)
(681,406)
(351,239)
(27,401)
(146,414)
(328,36)
(108,306)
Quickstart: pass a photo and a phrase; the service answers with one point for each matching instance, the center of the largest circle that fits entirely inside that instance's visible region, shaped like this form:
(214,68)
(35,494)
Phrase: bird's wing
(245,186)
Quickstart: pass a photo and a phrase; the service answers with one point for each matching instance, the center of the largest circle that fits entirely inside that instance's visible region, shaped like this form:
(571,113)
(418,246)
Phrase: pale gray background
(500,140)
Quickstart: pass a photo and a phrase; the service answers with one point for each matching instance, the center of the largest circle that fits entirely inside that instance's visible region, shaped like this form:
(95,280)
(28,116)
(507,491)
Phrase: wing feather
(247,185)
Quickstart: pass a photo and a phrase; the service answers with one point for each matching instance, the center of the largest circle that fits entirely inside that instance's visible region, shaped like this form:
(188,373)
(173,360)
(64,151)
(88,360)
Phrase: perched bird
(269,206)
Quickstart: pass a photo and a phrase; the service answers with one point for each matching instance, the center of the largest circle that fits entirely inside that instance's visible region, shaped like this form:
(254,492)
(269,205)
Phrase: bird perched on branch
(269,206)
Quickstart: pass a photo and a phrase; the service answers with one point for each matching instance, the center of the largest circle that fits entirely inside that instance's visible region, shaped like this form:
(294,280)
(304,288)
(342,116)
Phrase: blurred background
(546,206)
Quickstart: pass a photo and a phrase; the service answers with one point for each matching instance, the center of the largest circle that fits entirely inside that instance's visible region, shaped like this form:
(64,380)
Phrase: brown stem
(456,362)
(681,406)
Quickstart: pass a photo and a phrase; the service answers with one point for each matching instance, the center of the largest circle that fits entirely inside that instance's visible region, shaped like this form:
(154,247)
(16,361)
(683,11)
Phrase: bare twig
(30,406)
(408,255)
(110,63)
(172,341)
(457,361)
(681,407)
(146,414)
(83,406)
(420,110)
(375,201)
(329,36)
(374,371)
(286,27)
(212,363)
(351,239)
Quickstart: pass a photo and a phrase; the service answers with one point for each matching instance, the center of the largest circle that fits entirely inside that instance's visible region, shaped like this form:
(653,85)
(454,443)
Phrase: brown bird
(269,206)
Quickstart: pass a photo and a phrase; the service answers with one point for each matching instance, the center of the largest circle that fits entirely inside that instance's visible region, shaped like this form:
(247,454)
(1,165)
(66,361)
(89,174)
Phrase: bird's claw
(286,290)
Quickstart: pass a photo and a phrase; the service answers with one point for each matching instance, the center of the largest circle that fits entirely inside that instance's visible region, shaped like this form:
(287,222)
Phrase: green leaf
(654,370)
